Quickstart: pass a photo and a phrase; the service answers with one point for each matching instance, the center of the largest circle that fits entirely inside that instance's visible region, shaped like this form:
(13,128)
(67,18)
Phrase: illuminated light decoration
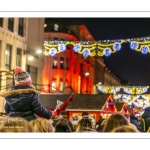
(77,47)
(39,51)
(100,48)
(144,49)
(127,89)
(86,52)
(145,89)
(108,89)
(103,90)
(99,87)
(46,53)
(134,45)
(53,51)
(61,47)
(107,52)
(117,46)
(30,58)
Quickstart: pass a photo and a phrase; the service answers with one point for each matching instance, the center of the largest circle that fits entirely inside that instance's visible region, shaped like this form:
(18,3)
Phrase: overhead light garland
(107,89)
(136,100)
(97,48)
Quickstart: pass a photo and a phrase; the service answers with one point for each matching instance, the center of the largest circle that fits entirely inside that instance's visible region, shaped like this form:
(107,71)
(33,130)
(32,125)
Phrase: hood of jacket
(19,96)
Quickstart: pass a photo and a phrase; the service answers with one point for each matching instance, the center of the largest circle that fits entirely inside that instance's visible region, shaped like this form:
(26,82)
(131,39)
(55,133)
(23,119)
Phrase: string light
(127,89)
(97,48)
(136,100)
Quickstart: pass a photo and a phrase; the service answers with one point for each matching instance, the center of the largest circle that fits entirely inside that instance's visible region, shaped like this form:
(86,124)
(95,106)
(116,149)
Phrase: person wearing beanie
(22,100)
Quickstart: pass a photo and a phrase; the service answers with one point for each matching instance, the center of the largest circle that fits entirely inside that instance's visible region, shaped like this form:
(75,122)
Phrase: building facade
(68,71)
(13,41)
(19,39)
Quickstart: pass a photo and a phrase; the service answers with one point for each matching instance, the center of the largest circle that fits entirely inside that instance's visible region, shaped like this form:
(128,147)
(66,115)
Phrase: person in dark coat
(145,120)
(22,100)
(134,120)
(98,124)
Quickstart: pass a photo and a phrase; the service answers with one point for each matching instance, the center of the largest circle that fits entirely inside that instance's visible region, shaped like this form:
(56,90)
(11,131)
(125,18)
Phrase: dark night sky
(128,64)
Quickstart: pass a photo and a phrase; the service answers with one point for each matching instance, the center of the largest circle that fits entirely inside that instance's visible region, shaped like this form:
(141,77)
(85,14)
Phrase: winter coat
(133,120)
(23,101)
(145,120)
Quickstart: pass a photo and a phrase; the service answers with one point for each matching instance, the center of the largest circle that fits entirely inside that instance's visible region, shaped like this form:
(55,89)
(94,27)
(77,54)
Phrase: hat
(21,78)
(85,114)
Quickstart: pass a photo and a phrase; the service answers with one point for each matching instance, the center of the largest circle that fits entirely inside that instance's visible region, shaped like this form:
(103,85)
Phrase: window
(8,56)
(66,83)
(53,84)
(18,58)
(33,73)
(62,63)
(1,22)
(54,64)
(11,24)
(61,85)
(20,27)
(67,64)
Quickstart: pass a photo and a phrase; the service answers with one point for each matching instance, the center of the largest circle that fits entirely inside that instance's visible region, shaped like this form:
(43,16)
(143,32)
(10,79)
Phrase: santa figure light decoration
(59,103)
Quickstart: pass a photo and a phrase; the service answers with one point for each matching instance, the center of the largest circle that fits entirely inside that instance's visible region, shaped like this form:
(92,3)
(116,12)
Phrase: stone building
(20,38)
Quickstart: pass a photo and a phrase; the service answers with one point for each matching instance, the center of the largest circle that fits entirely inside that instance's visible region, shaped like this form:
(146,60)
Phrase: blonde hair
(42,125)
(15,124)
(124,128)
(85,124)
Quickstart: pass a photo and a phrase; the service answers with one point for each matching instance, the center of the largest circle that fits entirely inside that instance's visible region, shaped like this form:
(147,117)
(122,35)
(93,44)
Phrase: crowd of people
(113,123)
(24,113)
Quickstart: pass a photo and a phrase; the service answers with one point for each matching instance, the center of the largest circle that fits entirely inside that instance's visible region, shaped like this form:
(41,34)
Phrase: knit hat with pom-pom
(21,78)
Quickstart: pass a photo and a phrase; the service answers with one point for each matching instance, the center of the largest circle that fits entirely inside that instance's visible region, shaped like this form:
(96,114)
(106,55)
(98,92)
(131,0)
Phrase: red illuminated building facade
(69,72)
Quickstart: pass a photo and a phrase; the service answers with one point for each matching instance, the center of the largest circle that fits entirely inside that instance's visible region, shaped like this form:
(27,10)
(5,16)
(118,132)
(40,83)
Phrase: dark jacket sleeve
(7,108)
(38,109)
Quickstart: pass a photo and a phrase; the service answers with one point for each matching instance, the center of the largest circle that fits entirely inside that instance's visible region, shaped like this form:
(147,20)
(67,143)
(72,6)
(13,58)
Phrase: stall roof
(87,102)
(119,105)
(50,100)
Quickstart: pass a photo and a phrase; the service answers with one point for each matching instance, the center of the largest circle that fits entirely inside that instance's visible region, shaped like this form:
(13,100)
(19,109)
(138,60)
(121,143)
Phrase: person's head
(84,124)
(124,128)
(85,114)
(15,124)
(42,125)
(22,78)
(63,113)
(115,120)
(62,126)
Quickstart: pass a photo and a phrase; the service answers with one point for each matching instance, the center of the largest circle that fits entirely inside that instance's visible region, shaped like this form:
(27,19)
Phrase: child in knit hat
(22,100)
